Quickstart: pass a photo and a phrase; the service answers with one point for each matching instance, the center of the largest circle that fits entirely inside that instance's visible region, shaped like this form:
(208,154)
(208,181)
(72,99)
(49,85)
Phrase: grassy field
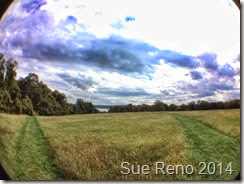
(92,147)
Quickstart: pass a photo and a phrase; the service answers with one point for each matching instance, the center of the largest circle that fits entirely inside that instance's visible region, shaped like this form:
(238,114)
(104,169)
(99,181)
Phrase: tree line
(30,96)
(161,106)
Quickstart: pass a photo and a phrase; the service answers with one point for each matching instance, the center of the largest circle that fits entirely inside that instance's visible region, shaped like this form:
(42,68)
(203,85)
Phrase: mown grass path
(92,147)
(32,152)
(209,145)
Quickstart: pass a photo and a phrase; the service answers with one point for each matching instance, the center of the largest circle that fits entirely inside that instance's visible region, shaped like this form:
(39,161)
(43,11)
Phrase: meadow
(93,146)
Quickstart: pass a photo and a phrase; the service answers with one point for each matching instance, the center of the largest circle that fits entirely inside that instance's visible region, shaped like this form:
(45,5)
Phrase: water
(103,109)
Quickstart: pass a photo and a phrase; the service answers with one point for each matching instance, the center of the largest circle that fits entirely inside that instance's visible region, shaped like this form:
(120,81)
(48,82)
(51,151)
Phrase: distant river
(103,109)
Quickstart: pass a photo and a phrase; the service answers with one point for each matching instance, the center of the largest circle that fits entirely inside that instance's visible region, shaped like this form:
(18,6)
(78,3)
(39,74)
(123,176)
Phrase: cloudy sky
(127,51)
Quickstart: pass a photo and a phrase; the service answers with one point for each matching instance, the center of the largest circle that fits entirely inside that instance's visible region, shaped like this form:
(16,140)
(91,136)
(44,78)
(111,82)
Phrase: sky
(119,52)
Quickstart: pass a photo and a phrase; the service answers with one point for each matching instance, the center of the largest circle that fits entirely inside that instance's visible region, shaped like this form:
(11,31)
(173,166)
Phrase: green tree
(158,106)
(2,72)
(172,107)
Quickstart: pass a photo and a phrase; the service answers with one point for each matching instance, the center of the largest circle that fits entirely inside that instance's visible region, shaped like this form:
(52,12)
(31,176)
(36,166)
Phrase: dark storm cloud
(81,82)
(205,94)
(206,87)
(31,6)
(114,53)
(120,54)
(227,70)
(178,59)
(40,21)
(123,92)
(24,31)
(195,75)
(209,61)
(220,86)
(36,38)
(49,52)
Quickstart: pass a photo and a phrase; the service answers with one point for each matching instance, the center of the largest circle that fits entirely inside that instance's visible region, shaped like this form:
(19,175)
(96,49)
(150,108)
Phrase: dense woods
(31,96)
